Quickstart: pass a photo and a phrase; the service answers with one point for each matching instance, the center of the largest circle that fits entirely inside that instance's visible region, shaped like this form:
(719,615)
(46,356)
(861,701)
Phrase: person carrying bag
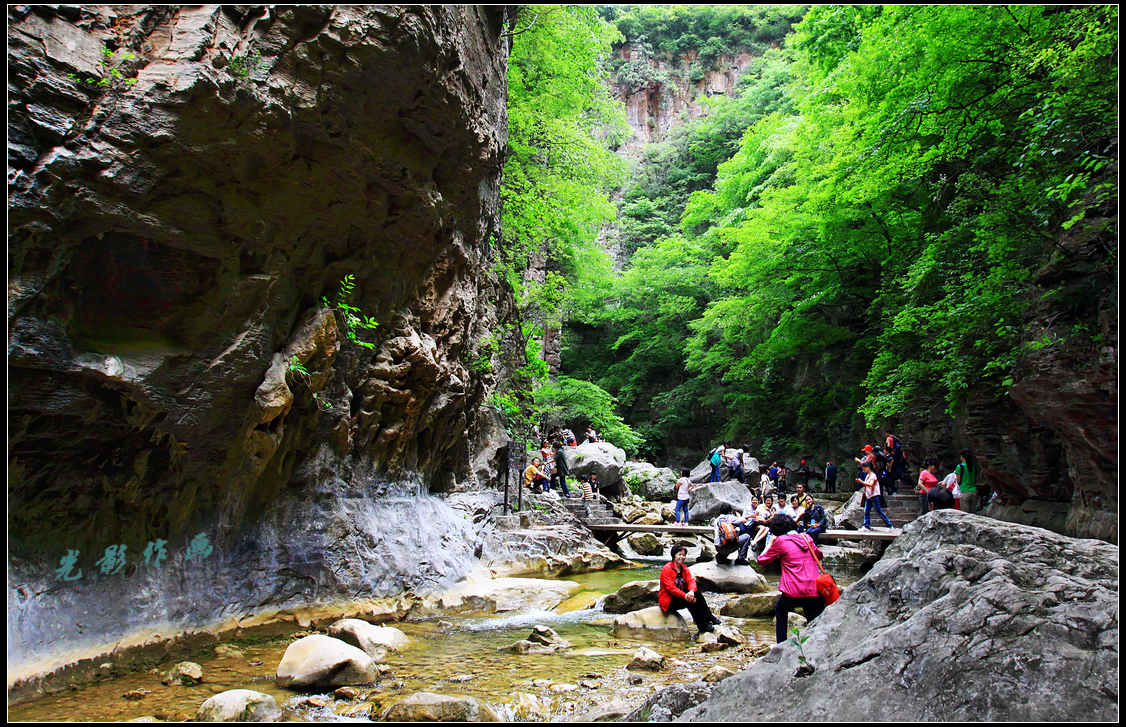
(826,586)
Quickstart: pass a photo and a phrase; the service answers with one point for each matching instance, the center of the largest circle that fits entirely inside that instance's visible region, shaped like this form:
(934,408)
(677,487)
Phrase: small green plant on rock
(302,373)
(241,66)
(354,318)
(797,640)
(112,76)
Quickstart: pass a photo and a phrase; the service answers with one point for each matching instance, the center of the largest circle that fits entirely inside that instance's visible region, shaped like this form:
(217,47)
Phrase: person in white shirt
(871,491)
(684,490)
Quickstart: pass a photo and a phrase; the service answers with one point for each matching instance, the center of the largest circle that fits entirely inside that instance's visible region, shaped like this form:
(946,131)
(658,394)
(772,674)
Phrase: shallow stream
(455,655)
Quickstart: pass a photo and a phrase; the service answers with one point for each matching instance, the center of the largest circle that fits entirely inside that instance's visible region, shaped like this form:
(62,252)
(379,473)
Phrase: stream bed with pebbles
(457,655)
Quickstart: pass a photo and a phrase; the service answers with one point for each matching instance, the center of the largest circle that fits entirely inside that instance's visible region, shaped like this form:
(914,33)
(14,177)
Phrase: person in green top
(967,474)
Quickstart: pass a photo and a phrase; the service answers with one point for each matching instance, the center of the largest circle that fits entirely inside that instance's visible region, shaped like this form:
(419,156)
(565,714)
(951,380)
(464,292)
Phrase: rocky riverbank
(964,618)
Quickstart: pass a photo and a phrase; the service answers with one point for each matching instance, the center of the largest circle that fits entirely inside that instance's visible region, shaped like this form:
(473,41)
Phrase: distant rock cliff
(185,184)
(668,92)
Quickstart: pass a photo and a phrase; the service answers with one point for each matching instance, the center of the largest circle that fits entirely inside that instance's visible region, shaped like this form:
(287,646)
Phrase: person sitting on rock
(534,477)
(678,590)
(731,534)
(818,521)
(591,435)
(763,515)
(568,438)
(805,501)
(939,498)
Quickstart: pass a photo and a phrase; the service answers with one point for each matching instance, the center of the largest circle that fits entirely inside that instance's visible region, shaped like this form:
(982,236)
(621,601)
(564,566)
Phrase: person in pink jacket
(799,573)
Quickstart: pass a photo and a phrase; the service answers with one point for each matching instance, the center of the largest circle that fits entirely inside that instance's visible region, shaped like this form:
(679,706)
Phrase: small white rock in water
(185,673)
(647,659)
(324,661)
(561,688)
(239,705)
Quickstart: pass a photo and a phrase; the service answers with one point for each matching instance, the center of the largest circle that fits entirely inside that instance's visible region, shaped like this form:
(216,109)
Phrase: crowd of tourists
(785,528)
(549,469)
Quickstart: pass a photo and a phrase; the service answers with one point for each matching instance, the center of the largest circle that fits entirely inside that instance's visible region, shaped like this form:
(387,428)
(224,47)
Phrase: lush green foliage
(574,402)
(709,30)
(885,230)
(354,318)
(557,179)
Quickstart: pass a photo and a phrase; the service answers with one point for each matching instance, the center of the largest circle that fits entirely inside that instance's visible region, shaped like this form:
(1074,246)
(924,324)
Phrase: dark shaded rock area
(965,618)
(171,234)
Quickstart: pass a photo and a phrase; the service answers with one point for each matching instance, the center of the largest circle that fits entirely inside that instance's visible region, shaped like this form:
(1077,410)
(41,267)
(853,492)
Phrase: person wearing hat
(868,458)
(803,474)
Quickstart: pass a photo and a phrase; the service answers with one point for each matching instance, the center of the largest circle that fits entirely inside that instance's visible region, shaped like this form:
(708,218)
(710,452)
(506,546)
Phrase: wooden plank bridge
(598,516)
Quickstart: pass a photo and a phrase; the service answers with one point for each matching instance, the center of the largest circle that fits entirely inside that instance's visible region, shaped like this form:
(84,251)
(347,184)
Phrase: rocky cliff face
(185,184)
(964,618)
(654,107)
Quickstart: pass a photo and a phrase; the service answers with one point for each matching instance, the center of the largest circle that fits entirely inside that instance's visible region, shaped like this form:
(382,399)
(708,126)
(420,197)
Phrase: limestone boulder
(851,515)
(709,500)
(186,673)
(1024,620)
(652,623)
(542,640)
(633,596)
(666,704)
(753,605)
(323,661)
(651,517)
(502,595)
(239,705)
(729,578)
(645,659)
(375,640)
(645,543)
(649,481)
(717,674)
(598,458)
(430,707)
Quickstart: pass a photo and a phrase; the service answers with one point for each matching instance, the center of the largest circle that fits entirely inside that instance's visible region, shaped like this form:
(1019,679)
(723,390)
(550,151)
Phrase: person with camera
(799,557)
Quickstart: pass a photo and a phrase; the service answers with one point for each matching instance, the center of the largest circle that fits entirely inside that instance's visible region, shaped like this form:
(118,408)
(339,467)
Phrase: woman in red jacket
(678,590)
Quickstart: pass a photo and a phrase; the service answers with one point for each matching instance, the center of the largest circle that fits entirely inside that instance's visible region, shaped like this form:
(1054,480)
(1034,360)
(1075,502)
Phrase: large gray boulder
(632,596)
(665,704)
(322,661)
(708,501)
(851,515)
(239,705)
(974,618)
(374,640)
(649,481)
(729,578)
(652,624)
(598,458)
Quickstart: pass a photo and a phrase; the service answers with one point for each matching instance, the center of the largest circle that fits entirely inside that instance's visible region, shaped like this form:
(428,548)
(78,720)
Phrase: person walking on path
(678,590)
(559,474)
(871,485)
(684,490)
(830,477)
(967,473)
(799,556)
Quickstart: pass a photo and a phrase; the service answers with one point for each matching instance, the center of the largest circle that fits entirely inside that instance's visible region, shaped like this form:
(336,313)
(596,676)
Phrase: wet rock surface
(323,661)
(169,243)
(1023,619)
(239,705)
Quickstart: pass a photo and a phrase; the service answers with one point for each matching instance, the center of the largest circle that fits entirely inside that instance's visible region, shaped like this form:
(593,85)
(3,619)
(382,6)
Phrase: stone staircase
(591,512)
(901,508)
